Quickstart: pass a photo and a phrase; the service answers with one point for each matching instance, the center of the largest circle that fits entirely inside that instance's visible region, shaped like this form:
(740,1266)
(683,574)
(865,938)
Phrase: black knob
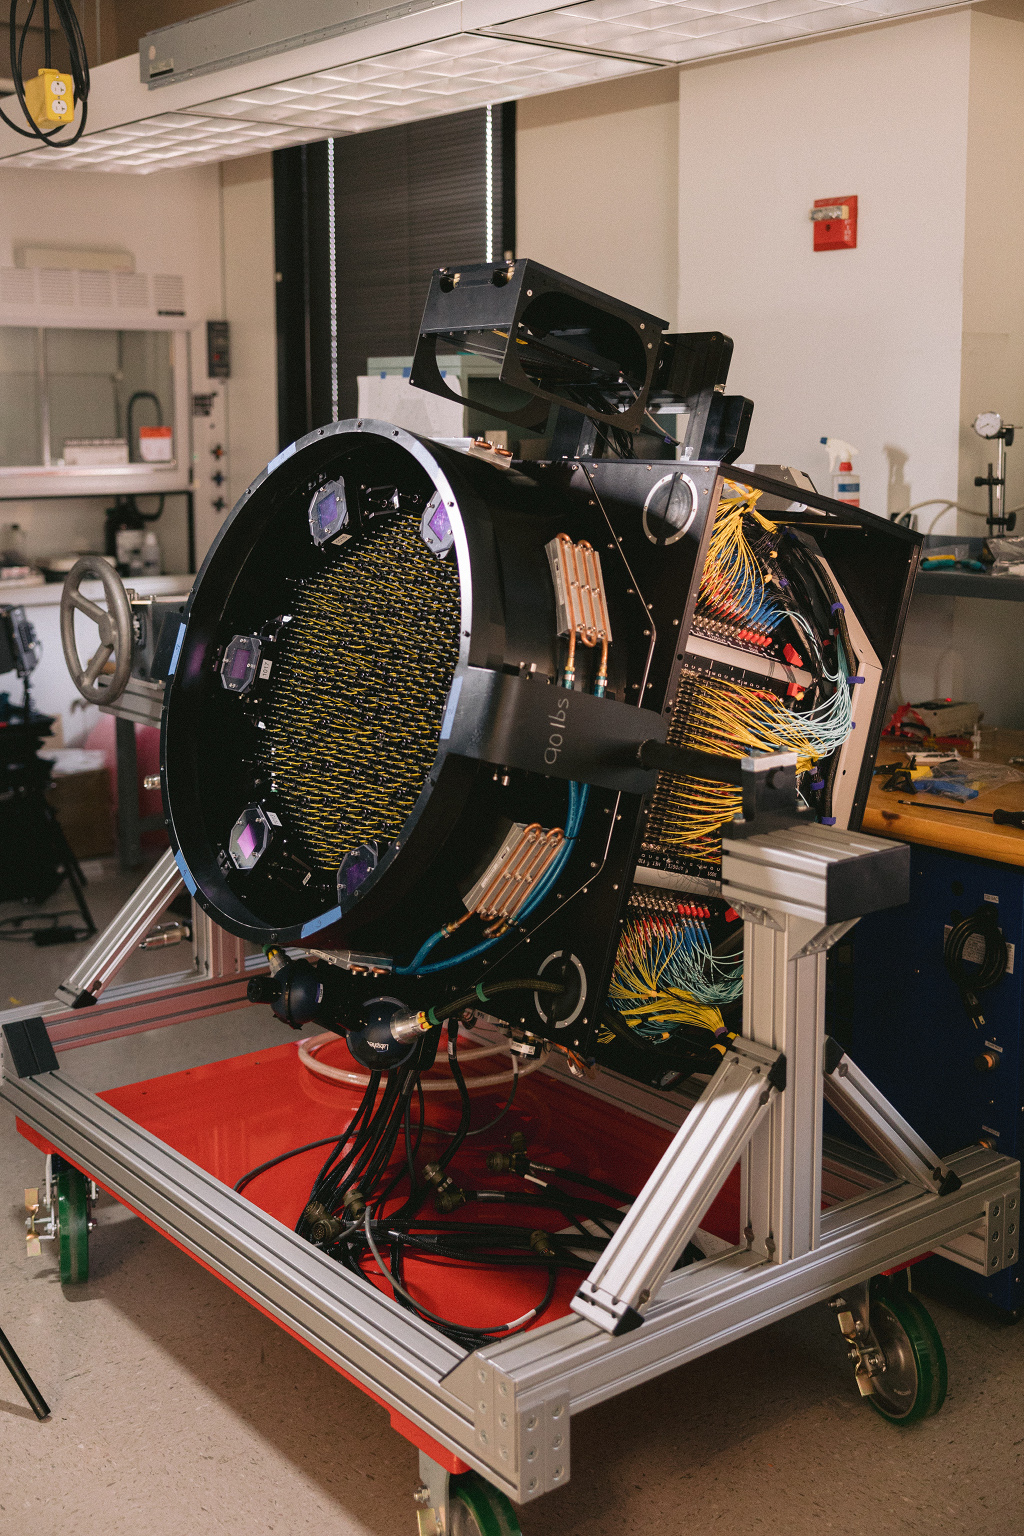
(261,989)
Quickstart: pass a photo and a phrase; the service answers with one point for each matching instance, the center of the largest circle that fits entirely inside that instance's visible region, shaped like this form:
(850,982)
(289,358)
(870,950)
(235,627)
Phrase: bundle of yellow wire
(685,809)
(731,719)
(733,581)
(637,995)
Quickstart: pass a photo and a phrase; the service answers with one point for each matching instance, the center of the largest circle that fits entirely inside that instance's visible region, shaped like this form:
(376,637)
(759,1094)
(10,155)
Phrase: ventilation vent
(17,286)
(106,299)
(132,289)
(56,286)
(96,288)
(168,294)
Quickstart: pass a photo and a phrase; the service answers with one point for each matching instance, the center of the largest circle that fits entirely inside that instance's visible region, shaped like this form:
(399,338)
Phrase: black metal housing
(495,764)
(557,340)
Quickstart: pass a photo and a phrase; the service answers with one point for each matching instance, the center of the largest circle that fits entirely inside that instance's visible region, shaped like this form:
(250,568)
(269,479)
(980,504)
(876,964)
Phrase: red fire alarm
(835,223)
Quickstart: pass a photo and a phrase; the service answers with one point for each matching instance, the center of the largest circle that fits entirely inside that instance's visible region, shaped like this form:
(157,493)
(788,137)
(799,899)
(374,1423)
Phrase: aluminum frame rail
(505,1409)
(120,938)
(668,1210)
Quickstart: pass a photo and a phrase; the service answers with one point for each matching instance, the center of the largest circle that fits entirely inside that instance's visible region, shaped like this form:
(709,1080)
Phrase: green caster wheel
(72,1223)
(912,1385)
(477,1509)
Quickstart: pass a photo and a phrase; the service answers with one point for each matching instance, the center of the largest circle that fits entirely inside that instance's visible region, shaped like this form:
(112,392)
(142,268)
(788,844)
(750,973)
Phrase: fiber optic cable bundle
(667,973)
(382,621)
(753,596)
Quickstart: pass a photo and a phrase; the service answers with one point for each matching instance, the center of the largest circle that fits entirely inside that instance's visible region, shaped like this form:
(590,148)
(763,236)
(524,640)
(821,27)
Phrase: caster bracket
(853,1314)
(431,1498)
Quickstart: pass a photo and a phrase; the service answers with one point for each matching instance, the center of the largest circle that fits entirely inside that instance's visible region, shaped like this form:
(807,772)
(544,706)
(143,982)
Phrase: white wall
(247,193)
(895,346)
(961,647)
(861,344)
(597,180)
(993,351)
(215,226)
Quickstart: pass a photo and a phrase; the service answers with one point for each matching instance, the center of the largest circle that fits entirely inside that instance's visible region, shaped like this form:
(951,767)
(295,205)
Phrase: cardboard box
(83,805)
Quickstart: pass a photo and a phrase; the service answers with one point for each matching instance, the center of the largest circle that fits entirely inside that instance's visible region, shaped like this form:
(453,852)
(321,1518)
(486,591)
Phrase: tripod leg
(33,1396)
(69,867)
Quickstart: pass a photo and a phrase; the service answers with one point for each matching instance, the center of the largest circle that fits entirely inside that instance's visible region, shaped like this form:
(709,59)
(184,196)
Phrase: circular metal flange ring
(670,508)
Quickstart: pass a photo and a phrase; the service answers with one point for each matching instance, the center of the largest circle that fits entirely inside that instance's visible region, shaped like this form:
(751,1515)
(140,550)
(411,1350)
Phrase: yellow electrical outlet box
(50,98)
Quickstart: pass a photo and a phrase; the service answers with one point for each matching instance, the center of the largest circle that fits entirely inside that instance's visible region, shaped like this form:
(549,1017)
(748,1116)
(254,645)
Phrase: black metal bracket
(547,729)
(30,1047)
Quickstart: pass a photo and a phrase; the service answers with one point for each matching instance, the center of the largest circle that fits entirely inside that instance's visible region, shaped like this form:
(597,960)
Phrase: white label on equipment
(265,670)
(974,949)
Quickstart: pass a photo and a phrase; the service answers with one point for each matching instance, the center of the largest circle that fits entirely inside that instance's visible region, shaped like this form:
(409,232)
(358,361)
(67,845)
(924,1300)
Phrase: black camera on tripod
(35,857)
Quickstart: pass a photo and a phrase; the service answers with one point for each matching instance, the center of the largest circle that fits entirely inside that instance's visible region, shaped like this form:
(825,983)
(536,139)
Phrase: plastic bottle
(152,559)
(845,480)
(13,545)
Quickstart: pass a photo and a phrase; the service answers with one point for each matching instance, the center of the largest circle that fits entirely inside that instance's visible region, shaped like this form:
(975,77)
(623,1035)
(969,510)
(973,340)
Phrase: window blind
(406,199)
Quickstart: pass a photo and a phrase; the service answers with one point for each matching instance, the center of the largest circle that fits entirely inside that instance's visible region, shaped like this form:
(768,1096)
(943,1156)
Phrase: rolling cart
(413,689)
(786,1218)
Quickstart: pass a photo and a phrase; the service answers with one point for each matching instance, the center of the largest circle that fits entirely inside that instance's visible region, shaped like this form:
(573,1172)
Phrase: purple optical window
(440,524)
(241,658)
(328,512)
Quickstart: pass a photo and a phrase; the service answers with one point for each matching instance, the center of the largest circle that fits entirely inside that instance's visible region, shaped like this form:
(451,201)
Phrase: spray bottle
(845,482)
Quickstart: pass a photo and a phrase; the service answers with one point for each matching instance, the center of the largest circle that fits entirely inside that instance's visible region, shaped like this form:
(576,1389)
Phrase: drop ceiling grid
(533,54)
(669,32)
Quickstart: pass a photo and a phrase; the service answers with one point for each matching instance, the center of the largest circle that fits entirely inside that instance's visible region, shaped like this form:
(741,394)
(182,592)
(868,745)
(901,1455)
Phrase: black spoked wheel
(912,1385)
(73,1224)
(477,1509)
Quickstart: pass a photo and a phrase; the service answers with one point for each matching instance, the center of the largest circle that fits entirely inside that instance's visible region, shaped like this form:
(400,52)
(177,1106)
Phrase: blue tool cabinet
(895,1009)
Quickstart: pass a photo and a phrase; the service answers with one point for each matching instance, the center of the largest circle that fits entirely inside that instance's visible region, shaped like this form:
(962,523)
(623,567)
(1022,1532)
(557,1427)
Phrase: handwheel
(73,1224)
(117,638)
(912,1384)
(477,1509)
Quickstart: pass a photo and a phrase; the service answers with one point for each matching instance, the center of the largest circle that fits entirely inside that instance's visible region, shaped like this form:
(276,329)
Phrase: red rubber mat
(230,1116)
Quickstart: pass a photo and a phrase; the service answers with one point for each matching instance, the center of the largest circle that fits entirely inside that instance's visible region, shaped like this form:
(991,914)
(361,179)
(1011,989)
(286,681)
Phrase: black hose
(282,1157)
(992,968)
(482,994)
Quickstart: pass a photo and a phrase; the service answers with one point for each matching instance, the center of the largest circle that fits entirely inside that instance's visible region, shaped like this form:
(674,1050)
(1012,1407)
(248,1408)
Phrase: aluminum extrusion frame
(504,1410)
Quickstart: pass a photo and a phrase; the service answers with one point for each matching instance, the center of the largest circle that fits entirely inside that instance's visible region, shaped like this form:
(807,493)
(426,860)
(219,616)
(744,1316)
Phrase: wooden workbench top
(924,822)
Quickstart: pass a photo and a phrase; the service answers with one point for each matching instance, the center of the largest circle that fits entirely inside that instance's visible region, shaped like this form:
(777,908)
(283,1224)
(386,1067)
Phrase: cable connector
(321,1227)
(514,1161)
(354,1203)
(448,1195)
